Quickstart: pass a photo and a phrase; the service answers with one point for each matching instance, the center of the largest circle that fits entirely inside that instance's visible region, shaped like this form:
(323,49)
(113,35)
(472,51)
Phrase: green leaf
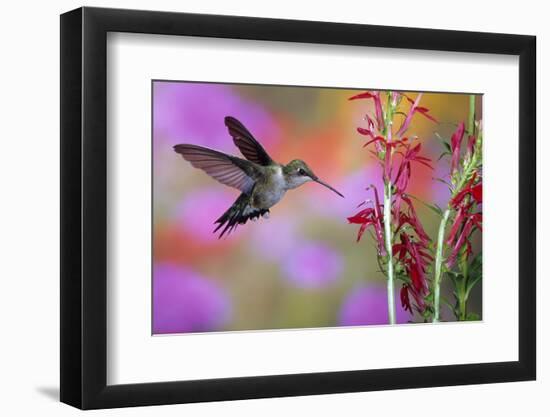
(433,207)
(475,273)
(436,209)
(474,279)
(476,264)
(448,304)
(455,278)
(401,113)
(472,317)
(426,314)
(444,142)
(444,182)
(443,155)
(429,298)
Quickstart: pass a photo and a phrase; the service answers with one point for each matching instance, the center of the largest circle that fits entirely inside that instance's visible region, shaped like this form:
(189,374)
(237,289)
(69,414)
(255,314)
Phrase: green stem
(463,299)
(472,114)
(388,241)
(462,308)
(439,263)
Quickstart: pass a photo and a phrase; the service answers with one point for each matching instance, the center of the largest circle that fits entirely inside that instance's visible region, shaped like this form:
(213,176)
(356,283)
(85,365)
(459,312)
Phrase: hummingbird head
(297,172)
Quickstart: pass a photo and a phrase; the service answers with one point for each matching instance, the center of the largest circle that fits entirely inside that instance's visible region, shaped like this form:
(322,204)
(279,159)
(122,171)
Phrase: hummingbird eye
(301,171)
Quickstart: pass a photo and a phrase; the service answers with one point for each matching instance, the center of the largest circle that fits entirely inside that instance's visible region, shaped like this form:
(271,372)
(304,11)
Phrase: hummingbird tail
(239,213)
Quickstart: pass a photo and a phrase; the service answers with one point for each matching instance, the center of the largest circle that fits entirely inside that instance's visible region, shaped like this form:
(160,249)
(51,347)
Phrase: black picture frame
(84,207)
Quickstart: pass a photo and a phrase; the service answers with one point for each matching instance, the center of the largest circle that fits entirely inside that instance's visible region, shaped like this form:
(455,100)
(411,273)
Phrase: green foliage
(463,282)
(472,317)
(433,207)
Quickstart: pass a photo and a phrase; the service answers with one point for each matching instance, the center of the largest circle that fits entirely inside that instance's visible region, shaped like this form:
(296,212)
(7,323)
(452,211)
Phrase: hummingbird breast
(269,190)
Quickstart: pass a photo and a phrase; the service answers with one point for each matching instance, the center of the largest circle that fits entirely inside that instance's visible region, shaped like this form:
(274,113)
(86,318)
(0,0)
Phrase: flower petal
(456,140)
(409,116)
(366,94)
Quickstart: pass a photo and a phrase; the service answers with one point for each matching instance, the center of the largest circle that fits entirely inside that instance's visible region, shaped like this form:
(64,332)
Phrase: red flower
(456,141)
(413,256)
(375,95)
(469,189)
(477,193)
(369,131)
(466,218)
(371,216)
(366,94)
(457,223)
(411,154)
(405,301)
(412,252)
(471,144)
(415,222)
(462,239)
(410,114)
(424,111)
(465,223)
(414,109)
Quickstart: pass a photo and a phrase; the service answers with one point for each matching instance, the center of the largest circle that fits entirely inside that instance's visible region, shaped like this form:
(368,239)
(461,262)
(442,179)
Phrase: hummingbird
(262,181)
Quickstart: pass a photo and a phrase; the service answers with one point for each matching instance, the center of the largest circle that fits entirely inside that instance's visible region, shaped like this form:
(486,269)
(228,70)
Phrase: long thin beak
(328,186)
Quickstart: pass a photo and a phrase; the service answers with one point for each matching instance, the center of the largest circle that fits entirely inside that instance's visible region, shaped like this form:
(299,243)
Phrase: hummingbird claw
(266,215)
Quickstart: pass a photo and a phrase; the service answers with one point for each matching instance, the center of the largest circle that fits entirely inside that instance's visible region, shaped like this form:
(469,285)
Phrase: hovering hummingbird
(261,180)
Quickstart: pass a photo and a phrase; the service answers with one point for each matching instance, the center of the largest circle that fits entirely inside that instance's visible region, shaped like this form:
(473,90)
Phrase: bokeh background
(302,267)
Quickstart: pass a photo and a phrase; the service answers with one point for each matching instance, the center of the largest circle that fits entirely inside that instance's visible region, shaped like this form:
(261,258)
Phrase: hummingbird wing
(229,170)
(247,144)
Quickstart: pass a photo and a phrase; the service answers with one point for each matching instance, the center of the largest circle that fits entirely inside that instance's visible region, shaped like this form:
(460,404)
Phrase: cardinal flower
(371,217)
(456,141)
(396,154)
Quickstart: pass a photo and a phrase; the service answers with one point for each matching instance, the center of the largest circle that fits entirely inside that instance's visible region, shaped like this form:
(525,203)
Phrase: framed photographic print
(258,208)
